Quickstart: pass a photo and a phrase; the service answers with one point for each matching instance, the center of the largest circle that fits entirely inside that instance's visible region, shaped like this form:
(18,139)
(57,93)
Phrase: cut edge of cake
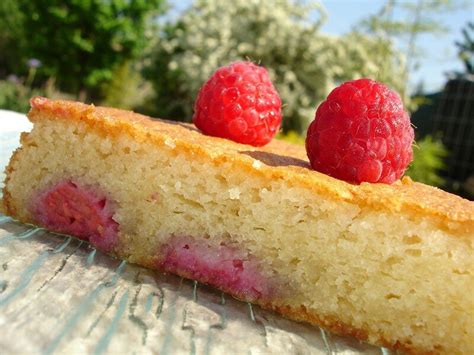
(418,202)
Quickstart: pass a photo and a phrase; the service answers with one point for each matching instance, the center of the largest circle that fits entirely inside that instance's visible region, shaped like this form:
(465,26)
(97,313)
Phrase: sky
(439,52)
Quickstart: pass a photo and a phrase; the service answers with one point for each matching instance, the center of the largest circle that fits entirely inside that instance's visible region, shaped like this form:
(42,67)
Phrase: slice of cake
(390,264)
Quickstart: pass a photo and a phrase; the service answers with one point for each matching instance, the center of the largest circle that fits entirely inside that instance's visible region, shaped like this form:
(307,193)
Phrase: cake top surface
(277,160)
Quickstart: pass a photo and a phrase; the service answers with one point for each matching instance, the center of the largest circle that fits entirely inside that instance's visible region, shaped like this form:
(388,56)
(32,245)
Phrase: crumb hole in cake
(393,260)
(126,150)
(295,261)
(187,218)
(153,198)
(459,272)
(188,202)
(221,179)
(413,252)
(266,190)
(392,296)
(32,144)
(350,237)
(236,212)
(411,239)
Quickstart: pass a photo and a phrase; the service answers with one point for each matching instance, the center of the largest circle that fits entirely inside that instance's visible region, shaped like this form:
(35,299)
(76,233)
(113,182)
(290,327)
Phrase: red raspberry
(239,102)
(361,133)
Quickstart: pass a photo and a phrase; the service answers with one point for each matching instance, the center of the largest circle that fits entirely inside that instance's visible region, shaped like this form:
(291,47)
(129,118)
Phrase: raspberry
(77,210)
(224,266)
(239,102)
(361,133)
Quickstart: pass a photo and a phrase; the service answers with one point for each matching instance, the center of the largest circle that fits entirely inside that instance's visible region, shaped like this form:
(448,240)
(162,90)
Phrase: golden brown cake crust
(337,327)
(280,160)
(7,206)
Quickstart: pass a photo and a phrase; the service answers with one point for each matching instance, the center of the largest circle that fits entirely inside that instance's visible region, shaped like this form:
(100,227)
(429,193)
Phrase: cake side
(280,160)
(391,278)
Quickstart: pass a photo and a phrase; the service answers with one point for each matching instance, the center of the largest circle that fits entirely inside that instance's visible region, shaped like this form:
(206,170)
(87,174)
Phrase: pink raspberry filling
(225,267)
(80,211)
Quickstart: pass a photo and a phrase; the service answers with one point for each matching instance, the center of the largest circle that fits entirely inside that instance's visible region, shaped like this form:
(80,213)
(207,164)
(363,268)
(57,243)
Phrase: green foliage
(14,96)
(291,137)
(126,89)
(466,47)
(15,93)
(428,157)
(281,35)
(11,35)
(80,42)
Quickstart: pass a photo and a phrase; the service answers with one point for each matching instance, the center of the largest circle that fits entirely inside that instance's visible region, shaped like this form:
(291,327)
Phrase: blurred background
(152,56)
